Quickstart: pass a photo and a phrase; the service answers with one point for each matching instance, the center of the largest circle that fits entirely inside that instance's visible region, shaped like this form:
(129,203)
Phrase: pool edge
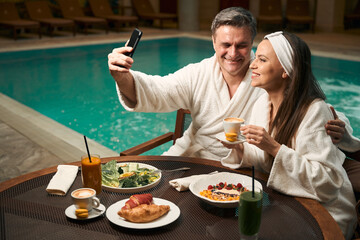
(63,142)
(321,50)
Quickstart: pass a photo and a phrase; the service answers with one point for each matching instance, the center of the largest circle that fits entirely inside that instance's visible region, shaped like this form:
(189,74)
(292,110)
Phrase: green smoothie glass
(250,207)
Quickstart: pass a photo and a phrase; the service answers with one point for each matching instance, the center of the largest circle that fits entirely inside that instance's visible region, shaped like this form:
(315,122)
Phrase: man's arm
(335,128)
(122,75)
(340,132)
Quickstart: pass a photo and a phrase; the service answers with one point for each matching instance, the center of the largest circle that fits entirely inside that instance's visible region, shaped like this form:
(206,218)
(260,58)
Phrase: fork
(171,170)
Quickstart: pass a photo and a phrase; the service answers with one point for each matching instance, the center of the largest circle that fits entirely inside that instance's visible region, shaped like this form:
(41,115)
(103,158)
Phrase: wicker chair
(183,120)
(352,168)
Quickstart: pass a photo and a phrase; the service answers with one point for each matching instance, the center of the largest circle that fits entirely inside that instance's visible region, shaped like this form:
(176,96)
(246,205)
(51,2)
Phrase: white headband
(282,49)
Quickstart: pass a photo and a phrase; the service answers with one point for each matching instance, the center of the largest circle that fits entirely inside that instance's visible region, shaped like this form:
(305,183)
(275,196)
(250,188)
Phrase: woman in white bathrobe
(286,136)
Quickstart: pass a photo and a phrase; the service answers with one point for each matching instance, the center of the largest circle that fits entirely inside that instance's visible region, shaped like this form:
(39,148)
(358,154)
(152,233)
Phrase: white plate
(171,216)
(135,189)
(221,137)
(230,178)
(70,212)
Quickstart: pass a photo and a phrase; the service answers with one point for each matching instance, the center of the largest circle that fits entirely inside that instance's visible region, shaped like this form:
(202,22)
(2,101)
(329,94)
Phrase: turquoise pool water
(72,85)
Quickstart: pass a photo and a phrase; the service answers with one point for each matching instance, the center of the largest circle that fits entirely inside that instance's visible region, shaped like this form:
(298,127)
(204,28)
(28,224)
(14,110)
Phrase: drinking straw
(87,148)
(253,181)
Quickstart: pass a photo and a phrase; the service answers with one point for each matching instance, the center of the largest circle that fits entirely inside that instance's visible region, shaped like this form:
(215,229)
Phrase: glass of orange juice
(91,172)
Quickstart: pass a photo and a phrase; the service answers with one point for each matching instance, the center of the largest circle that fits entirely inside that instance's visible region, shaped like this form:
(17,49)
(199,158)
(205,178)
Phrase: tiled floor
(19,155)
(30,141)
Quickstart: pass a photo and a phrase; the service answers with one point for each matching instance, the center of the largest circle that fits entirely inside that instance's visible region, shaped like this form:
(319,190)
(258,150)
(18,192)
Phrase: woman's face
(267,72)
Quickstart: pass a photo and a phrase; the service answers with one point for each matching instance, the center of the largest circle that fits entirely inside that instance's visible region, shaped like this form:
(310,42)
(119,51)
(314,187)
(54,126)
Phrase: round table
(27,210)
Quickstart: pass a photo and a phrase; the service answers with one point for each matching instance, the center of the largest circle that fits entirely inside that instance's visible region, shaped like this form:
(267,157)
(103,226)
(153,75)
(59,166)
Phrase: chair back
(353,155)
(270,8)
(100,8)
(297,8)
(352,168)
(183,121)
(357,230)
(142,7)
(70,8)
(8,11)
(38,9)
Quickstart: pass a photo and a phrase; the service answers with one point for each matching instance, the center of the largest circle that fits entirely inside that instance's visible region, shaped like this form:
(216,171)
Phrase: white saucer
(70,212)
(221,137)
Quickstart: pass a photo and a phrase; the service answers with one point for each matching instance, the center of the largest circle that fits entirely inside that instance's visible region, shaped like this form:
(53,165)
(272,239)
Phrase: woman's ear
(284,75)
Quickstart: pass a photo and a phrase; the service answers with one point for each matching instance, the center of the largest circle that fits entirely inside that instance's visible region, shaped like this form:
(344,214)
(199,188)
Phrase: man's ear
(213,41)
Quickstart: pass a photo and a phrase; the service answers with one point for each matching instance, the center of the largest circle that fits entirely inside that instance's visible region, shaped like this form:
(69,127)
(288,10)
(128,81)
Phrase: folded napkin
(182,184)
(62,180)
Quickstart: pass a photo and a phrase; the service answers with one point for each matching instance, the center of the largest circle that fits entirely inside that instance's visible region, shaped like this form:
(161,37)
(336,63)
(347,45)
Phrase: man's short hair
(236,17)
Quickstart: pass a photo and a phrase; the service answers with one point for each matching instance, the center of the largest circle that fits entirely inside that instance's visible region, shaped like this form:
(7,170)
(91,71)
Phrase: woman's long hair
(303,89)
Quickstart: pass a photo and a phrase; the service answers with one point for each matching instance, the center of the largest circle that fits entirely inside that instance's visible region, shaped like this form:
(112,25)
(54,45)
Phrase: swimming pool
(72,85)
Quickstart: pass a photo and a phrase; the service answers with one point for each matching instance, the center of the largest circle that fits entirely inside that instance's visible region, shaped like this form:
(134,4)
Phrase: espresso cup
(85,198)
(232,125)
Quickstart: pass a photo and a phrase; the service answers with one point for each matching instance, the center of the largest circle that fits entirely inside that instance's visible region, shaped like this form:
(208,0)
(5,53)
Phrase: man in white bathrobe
(212,89)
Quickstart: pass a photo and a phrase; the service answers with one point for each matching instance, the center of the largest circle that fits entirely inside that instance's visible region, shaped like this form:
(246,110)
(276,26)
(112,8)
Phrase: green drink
(250,207)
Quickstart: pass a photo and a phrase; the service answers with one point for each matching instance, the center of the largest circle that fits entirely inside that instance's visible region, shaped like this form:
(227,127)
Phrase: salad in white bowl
(129,177)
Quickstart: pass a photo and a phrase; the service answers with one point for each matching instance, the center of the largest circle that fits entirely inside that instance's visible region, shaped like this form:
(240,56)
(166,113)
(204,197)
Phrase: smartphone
(133,42)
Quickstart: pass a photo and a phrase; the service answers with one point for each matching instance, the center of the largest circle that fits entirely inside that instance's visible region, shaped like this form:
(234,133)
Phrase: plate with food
(221,189)
(129,177)
(231,139)
(142,211)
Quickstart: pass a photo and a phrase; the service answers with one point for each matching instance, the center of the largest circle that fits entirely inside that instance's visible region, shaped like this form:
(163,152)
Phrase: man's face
(233,47)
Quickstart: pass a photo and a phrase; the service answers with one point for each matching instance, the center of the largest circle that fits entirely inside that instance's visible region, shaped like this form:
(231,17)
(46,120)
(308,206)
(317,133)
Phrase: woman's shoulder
(319,107)
(317,115)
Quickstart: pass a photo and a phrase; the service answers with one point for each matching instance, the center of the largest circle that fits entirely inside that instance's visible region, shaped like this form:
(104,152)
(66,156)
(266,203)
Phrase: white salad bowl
(134,189)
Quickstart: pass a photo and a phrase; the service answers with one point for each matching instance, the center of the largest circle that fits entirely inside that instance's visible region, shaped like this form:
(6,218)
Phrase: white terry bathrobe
(199,87)
(313,169)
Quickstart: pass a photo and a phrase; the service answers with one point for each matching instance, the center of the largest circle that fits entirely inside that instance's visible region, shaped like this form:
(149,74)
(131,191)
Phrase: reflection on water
(345,97)
(73,86)
(340,81)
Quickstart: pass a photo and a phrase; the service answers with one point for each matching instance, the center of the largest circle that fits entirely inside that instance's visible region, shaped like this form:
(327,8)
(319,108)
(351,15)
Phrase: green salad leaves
(110,174)
(127,175)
